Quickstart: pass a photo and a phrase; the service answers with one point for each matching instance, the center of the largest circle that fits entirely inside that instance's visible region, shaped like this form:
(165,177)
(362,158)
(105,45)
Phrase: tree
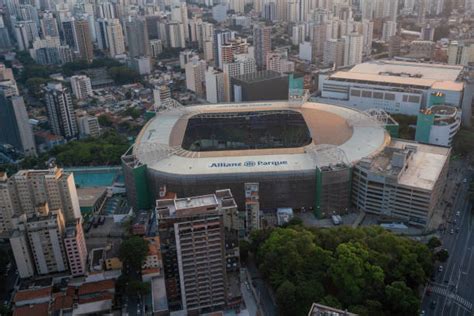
(434,242)
(123,75)
(401,299)
(104,120)
(133,252)
(286,297)
(442,255)
(35,85)
(139,288)
(354,269)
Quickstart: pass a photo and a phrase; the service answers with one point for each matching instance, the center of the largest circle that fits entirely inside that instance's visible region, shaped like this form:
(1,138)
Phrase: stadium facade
(300,154)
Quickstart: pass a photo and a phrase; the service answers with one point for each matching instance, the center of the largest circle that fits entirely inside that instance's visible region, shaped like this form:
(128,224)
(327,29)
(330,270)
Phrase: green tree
(104,120)
(434,242)
(442,255)
(123,75)
(133,252)
(401,299)
(34,85)
(139,288)
(286,297)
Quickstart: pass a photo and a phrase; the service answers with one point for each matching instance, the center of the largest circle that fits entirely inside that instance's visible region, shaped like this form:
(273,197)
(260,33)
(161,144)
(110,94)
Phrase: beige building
(76,250)
(404,182)
(29,188)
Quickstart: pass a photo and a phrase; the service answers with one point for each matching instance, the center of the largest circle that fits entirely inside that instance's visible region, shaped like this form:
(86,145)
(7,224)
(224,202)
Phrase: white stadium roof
(339,134)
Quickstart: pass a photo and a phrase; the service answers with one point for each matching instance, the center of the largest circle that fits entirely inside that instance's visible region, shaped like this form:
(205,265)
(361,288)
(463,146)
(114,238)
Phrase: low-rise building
(404,182)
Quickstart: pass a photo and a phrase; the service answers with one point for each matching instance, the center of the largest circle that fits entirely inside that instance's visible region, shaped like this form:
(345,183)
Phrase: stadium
(300,154)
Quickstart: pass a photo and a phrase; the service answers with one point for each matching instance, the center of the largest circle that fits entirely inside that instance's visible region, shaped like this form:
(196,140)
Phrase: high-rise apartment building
(49,25)
(137,37)
(200,251)
(84,40)
(334,53)
(353,46)
(29,188)
(81,86)
(195,70)
(214,85)
(75,247)
(40,209)
(241,66)
(16,129)
(60,110)
(115,38)
(262,43)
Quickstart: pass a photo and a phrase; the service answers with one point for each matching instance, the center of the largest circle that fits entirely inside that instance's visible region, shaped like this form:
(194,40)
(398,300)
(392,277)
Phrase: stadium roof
(338,133)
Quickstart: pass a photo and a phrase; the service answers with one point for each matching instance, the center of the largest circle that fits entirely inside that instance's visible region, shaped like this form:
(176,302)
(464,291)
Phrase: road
(452,291)
(265,299)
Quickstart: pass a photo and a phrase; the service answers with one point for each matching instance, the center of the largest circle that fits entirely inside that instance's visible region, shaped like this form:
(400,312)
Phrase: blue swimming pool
(86,177)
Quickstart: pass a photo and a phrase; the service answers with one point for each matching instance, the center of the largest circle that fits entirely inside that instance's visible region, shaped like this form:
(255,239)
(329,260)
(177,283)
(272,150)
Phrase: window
(378,95)
(367,94)
(355,93)
(405,98)
(414,99)
(389,96)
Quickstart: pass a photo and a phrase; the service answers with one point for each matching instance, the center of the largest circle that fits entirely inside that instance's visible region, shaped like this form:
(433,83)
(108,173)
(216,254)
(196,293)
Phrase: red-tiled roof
(32,310)
(96,287)
(62,301)
(96,298)
(32,294)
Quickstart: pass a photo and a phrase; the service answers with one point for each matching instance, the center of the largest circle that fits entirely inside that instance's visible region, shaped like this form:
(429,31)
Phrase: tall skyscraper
(16,129)
(84,41)
(195,70)
(115,38)
(353,46)
(214,85)
(69,33)
(262,43)
(199,241)
(49,25)
(137,37)
(60,110)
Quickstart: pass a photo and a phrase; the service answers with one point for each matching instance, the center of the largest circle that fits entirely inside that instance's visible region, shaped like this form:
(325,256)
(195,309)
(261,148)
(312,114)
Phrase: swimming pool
(86,177)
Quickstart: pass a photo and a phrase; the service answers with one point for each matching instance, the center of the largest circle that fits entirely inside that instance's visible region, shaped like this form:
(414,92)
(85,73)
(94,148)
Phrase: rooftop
(160,300)
(31,294)
(436,76)
(96,287)
(421,70)
(415,165)
(32,310)
(323,310)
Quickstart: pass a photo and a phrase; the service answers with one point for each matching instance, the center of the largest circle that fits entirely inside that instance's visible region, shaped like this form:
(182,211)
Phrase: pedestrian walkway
(460,300)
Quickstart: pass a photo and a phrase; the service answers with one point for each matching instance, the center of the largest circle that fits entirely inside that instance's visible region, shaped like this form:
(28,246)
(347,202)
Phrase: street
(451,292)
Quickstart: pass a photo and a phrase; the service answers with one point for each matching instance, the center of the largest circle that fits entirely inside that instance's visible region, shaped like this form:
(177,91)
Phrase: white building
(389,29)
(89,126)
(353,47)
(81,86)
(394,86)
(214,85)
(195,70)
(306,51)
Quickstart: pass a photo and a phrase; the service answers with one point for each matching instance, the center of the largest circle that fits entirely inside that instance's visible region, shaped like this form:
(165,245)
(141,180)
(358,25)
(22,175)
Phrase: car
(433,304)
(451,231)
(458,213)
(464,180)
(422,313)
(429,291)
(440,269)
(457,230)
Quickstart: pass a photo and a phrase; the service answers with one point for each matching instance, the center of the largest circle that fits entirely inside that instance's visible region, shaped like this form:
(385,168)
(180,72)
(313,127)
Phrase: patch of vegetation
(368,271)
(123,75)
(105,150)
(464,141)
